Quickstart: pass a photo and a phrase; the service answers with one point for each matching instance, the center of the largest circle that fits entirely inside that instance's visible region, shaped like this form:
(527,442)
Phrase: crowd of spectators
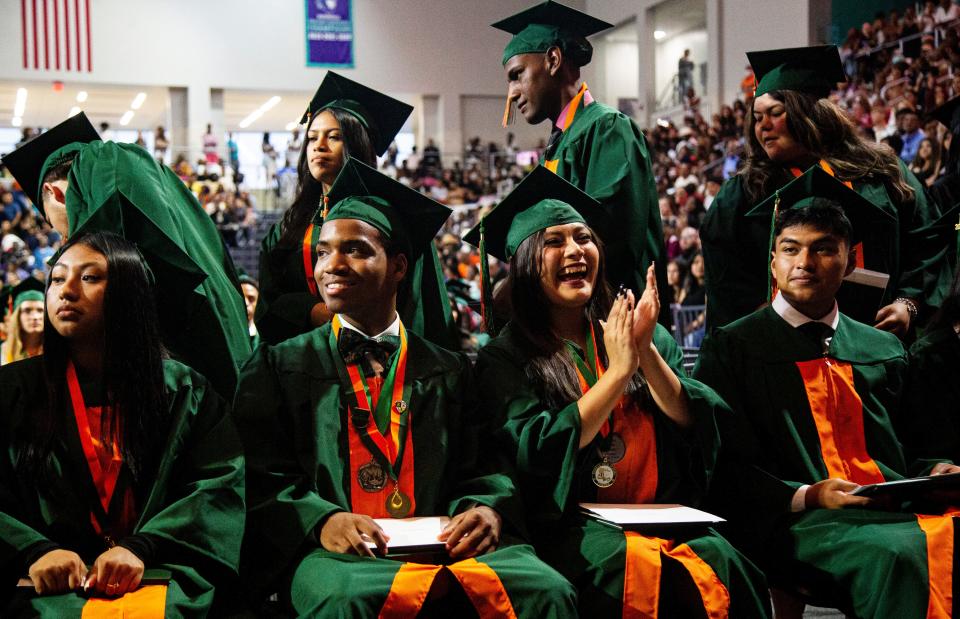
(26,241)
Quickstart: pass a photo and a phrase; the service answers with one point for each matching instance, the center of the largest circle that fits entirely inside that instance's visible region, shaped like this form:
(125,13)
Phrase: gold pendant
(398,504)
(604,475)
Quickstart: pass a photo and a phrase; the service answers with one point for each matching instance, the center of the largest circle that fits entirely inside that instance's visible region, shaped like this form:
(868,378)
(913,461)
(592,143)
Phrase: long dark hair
(132,395)
(550,367)
(826,133)
(356,144)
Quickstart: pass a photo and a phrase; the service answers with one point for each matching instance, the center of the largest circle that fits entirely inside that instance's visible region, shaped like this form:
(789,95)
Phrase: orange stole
(412,583)
(373,504)
(641,584)
(572,108)
(939,533)
(838,414)
(308,260)
(145,603)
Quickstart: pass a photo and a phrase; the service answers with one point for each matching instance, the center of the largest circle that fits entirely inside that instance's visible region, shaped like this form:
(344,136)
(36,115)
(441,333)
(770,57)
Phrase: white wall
(478,111)
(621,61)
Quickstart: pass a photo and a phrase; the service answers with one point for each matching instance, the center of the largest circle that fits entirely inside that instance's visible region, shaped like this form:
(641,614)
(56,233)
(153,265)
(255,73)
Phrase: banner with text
(329,33)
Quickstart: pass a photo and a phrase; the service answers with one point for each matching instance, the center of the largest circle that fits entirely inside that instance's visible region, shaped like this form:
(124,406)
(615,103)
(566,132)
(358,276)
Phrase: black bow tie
(818,333)
(356,348)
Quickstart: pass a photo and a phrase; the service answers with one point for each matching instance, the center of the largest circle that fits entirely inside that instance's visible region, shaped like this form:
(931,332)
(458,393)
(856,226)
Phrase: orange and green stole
(837,412)
(390,433)
(636,482)
(104,462)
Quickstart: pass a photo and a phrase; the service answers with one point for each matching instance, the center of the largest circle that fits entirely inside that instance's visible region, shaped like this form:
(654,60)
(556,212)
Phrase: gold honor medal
(604,475)
(372,477)
(400,406)
(398,504)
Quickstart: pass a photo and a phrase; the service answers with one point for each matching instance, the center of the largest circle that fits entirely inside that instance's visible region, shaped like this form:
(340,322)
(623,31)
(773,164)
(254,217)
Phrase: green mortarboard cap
(245,278)
(816,187)
(949,114)
(812,70)
(400,213)
(382,116)
(30,289)
(542,199)
(551,24)
(29,163)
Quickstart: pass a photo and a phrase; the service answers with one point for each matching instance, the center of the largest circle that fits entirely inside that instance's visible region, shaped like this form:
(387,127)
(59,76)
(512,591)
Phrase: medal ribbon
(393,450)
(105,480)
(589,371)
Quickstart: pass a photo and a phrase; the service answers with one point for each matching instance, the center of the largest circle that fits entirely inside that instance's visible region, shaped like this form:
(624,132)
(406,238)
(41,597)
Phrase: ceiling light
(257,113)
(659,34)
(81,96)
(126,118)
(138,100)
(21,104)
(16,121)
(74,111)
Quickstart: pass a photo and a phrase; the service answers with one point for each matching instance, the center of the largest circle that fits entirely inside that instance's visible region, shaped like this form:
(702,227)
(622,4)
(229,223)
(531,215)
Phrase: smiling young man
(362,419)
(815,398)
(594,147)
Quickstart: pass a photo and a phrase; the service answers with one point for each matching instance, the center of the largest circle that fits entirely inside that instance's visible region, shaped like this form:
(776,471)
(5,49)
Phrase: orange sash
(939,534)
(409,590)
(641,584)
(308,260)
(572,108)
(147,602)
(483,587)
(838,414)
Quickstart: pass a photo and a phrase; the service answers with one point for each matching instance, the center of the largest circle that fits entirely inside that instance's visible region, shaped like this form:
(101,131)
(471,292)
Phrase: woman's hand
(348,533)
(115,572)
(646,312)
(58,571)
(618,338)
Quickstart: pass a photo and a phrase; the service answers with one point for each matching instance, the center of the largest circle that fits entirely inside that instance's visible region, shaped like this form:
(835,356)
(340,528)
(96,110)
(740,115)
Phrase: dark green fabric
(120,188)
(551,24)
(193,510)
(771,447)
(538,38)
(327,584)
(604,154)
(554,476)
(292,418)
(814,70)
(544,214)
(933,397)
(736,255)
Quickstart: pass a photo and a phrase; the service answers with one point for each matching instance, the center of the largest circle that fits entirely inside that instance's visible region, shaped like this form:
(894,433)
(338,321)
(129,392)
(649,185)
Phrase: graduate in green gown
(600,411)
(121,476)
(596,148)
(344,119)
(792,127)
(361,419)
(24,304)
(80,184)
(815,397)
(933,391)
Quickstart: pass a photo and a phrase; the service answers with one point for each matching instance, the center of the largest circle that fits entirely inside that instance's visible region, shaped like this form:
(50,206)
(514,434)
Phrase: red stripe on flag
(76,13)
(66,30)
(89,41)
(56,32)
(36,52)
(46,38)
(23,28)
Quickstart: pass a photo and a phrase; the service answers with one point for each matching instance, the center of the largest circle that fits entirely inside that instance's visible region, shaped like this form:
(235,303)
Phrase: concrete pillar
(450,138)
(715,52)
(199,107)
(428,125)
(216,120)
(178,123)
(647,50)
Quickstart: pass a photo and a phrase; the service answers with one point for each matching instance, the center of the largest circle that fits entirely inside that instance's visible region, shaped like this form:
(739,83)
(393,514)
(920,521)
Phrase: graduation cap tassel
(486,287)
(773,224)
(508,113)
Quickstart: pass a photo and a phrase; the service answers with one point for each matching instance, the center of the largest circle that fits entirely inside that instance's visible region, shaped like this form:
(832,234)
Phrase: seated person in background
(80,183)
(114,459)
(815,396)
(362,419)
(25,327)
(602,411)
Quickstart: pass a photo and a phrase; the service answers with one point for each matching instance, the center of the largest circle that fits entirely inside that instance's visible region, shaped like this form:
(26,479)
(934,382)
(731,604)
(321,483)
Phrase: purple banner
(329,33)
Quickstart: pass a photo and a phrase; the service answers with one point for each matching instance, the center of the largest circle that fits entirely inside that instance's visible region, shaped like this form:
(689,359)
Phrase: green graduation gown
(736,252)
(554,476)
(120,188)
(292,417)
(604,154)
(286,300)
(871,563)
(192,512)
(933,397)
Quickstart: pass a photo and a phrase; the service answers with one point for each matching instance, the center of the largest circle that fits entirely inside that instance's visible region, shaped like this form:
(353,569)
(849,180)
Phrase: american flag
(56,35)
